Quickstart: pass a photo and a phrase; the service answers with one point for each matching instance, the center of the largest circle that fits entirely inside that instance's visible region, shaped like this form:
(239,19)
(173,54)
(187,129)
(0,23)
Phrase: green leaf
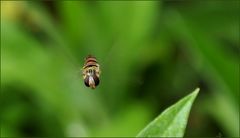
(172,122)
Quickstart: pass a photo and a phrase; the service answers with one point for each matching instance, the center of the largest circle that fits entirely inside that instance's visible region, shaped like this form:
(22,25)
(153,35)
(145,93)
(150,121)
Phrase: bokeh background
(151,55)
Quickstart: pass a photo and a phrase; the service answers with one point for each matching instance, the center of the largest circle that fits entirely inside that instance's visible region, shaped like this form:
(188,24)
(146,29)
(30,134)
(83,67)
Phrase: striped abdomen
(90,61)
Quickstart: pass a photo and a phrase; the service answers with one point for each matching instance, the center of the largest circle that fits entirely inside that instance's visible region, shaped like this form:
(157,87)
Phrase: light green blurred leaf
(224,112)
(172,122)
(125,117)
(213,61)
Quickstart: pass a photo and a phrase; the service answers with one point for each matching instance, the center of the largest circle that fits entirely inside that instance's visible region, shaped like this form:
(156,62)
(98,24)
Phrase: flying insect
(91,72)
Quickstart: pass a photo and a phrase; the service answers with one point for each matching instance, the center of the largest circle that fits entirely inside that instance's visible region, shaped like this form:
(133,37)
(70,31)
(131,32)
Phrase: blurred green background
(151,55)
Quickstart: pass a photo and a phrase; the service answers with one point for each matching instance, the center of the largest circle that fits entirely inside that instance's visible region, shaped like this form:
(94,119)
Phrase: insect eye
(86,81)
(96,80)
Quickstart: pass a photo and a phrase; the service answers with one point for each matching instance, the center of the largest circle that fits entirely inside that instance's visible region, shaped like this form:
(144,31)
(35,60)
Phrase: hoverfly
(91,72)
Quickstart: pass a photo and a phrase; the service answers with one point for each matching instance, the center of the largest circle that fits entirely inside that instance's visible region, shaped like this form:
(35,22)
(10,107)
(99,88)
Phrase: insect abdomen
(90,61)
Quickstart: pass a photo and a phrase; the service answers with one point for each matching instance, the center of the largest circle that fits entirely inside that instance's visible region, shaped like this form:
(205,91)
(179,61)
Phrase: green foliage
(172,122)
